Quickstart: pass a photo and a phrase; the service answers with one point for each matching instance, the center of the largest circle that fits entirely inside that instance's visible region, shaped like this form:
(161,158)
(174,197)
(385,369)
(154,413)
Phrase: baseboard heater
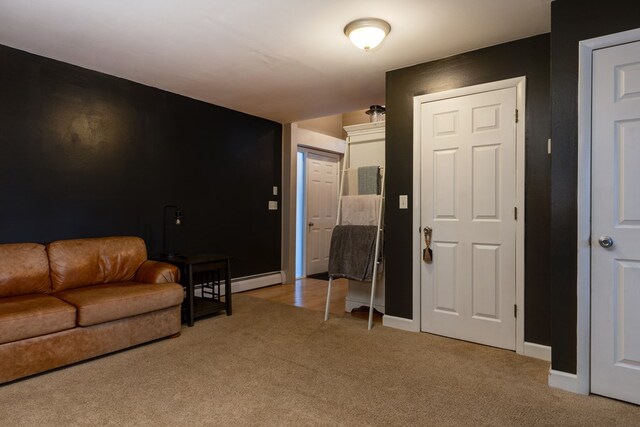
(241,284)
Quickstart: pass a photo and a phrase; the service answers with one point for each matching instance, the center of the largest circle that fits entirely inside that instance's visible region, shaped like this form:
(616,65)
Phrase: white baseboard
(400,323)
(565,381)
(537,350)
(241,284)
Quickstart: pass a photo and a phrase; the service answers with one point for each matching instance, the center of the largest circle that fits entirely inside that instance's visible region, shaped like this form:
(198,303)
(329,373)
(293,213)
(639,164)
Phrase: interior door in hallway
(322,206)
(468,196)
(615,226)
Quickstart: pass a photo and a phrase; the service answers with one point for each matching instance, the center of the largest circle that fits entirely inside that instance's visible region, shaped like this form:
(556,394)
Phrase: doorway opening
(317,179)
(300,215)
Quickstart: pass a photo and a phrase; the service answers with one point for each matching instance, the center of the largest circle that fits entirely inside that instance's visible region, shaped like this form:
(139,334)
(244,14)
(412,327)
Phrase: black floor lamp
(177,220)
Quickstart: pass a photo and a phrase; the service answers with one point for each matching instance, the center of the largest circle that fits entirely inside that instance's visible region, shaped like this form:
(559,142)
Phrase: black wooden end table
(206,273)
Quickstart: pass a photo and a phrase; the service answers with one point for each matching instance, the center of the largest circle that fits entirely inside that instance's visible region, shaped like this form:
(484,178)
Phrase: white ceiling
(285,60)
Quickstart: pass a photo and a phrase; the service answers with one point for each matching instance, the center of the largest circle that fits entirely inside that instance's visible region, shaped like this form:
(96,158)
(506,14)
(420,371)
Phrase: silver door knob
(605,241)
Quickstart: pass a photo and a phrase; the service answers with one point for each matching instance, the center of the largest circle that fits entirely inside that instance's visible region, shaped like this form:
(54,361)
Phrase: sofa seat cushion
(104,303)
(29,316)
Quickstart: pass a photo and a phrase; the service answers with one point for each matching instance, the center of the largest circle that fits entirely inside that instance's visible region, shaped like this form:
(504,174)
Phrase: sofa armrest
(157,272)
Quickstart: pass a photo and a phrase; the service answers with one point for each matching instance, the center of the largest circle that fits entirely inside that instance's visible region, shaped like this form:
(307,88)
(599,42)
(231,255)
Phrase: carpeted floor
(273,364)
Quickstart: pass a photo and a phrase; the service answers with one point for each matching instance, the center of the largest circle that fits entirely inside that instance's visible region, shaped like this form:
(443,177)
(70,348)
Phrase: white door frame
(581,381)
(305,151)
(520,84)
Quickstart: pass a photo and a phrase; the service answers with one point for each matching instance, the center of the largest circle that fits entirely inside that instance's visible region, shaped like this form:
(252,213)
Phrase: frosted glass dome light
(367,33)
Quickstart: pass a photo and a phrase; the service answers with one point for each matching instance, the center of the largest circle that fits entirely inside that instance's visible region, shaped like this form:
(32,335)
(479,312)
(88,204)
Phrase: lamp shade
(367,33)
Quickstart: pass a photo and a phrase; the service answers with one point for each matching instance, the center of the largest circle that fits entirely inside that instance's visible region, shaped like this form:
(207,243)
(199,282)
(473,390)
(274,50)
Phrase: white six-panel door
(615,199)
(468,194)
(322,207)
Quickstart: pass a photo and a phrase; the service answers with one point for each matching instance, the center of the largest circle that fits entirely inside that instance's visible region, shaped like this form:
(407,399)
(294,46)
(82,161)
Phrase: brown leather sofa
(77,299)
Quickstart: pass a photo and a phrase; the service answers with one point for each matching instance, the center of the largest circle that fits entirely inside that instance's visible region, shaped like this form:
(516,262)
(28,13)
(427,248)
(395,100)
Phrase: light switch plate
(273,205)
(404,201)
(275,190)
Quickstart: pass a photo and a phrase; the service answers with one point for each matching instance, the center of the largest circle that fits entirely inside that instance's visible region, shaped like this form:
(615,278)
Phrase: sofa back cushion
(24,269)
(85,262)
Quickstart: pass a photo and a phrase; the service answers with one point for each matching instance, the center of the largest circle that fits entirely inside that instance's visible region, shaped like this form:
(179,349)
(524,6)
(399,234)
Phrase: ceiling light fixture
(367,33)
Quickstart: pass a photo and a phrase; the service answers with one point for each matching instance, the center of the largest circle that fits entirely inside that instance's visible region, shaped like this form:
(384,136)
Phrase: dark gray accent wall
(571,22)
(528,57)
(85,154)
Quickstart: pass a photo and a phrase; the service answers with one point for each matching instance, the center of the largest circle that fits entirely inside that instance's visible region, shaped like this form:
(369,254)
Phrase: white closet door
(615,270)
(468,198)
(322,209)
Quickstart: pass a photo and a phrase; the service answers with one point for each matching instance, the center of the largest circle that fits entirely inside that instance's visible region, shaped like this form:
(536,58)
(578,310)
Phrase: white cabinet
(366,145)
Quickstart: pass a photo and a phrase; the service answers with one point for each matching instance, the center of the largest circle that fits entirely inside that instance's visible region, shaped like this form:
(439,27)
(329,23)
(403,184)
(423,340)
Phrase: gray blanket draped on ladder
(369,180)
(352,251)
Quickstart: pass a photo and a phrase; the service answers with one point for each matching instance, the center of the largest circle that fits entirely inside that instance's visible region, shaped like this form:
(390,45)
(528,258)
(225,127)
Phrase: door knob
(311,224)
(605,241)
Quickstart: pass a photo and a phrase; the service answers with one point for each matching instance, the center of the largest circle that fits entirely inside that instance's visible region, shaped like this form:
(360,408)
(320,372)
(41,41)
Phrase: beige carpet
(272,364)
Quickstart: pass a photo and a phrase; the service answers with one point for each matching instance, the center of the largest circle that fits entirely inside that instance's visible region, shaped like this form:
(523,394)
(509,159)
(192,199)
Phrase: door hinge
(515,310)
(515,213)
(516,115)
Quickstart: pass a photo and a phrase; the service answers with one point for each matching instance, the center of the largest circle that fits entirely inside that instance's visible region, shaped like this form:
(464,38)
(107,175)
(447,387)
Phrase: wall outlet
(404,201)
(273,205)
(275,190)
